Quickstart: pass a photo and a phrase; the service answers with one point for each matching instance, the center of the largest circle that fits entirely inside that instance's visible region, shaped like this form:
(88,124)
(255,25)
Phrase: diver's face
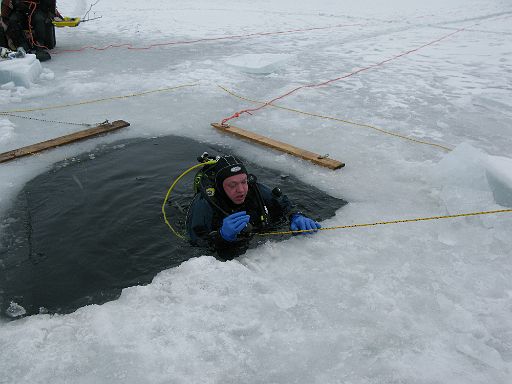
(236,188)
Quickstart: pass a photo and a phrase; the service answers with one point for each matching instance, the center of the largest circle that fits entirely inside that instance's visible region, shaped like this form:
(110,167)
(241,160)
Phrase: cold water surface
(91,226)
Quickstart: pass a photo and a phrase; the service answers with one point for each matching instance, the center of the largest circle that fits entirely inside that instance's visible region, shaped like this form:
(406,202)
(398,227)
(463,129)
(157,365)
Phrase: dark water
(82,232)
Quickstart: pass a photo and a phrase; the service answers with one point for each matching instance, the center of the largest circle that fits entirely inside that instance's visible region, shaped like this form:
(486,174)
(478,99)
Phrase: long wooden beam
(279,145)
(62,140)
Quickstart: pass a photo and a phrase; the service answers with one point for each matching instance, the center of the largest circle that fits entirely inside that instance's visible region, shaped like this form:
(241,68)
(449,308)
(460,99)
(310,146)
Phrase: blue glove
(233,224)
(302,223)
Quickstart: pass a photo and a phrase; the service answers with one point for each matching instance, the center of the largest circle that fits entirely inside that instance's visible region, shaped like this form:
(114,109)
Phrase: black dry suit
(267,210)
(28,24)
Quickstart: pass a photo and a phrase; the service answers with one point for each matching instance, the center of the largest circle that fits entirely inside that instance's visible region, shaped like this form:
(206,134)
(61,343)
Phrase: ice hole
(92,225)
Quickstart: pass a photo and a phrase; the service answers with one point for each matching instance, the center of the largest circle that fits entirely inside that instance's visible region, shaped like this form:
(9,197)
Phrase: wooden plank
(279,145)
(62,140)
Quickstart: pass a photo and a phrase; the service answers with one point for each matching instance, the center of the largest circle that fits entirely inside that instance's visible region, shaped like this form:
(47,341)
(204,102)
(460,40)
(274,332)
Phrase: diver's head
(231,178)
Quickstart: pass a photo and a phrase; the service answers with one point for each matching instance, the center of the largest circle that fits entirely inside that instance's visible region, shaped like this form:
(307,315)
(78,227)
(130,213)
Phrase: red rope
(248,111)
(242,36)
(32,7)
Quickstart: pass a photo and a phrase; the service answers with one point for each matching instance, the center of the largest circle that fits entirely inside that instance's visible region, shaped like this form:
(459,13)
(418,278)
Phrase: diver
(27,24)
(230,206)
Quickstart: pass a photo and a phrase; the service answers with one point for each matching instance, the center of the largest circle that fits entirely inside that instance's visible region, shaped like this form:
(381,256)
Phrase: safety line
(168,194)
(206,39)
(337,119)
(99,100)
(388,222)
(250,110)
(44,120)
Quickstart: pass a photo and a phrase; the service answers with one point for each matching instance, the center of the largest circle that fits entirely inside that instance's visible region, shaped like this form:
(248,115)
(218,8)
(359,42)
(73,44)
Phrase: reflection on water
(82,232)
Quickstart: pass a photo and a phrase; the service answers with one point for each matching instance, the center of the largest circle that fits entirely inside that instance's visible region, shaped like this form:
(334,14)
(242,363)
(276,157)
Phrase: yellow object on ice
(66,22)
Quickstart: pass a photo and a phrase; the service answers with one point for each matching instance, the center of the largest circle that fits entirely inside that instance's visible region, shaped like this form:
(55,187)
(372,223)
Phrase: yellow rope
(389,222)
(172,187)
(336,119)
(326,228)
(98,100)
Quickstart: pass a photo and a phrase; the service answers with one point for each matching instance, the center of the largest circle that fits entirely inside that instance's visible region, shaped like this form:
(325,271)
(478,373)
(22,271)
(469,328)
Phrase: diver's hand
(299,222)
(233,224)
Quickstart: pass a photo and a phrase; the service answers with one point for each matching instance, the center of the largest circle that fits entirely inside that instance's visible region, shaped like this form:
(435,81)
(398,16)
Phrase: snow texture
(422,302)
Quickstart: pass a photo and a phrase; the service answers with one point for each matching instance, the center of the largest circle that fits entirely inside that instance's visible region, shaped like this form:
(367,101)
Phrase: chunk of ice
(15,310)
(21,71)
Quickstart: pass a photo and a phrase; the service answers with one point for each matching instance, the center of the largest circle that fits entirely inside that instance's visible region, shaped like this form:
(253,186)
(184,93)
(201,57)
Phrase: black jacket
(204,218)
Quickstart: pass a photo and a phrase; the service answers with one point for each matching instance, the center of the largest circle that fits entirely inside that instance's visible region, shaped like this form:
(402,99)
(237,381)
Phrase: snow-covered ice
(422,302)
(259,63)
